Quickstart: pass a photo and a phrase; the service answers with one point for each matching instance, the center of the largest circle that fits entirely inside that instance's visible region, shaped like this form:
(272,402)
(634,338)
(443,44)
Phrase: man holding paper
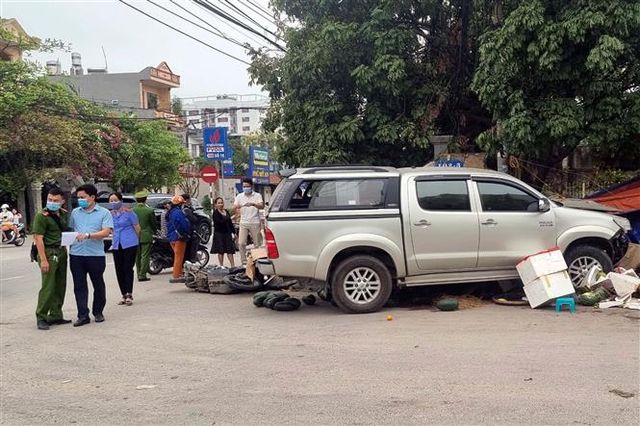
(92,223)
(48,226)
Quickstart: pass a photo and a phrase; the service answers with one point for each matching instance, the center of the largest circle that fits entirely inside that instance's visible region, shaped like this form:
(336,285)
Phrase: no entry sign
(209,174)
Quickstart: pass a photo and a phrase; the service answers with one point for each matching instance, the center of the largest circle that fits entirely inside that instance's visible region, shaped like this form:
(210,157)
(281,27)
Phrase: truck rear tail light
(272,247)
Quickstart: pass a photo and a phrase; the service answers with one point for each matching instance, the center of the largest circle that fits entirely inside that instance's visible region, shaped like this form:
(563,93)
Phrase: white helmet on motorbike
(5,207)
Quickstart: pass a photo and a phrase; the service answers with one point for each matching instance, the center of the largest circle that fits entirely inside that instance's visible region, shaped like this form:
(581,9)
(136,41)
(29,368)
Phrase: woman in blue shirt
(126,231)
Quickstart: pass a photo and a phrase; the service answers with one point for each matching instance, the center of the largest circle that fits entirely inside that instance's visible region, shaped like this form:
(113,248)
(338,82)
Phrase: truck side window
(339,194)
(443,195)
(499,197)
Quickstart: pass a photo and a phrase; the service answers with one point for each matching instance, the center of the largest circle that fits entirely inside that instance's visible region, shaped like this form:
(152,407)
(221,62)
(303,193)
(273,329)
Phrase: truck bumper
(265,266)
(620,244)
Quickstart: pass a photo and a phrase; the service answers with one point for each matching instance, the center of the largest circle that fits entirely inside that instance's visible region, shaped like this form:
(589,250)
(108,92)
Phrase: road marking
(11,278)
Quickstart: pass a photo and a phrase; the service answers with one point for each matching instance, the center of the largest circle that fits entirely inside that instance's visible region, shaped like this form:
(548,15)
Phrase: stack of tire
(280,301)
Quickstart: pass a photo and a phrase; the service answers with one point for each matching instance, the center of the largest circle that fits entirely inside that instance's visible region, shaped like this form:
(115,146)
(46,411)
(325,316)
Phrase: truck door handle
(489,222)
(422,222)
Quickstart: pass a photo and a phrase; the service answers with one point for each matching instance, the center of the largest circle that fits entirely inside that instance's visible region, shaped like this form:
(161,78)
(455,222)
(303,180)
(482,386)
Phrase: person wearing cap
(178,231)
(148,227)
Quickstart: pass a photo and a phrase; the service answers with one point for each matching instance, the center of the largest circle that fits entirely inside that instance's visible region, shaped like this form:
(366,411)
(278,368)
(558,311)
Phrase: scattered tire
(582,258)
(288,304)
(361,284)
(309,300)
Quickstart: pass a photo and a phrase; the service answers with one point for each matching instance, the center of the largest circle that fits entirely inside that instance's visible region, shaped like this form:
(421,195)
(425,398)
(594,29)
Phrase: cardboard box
(547,288)
(631,259)
(540,264)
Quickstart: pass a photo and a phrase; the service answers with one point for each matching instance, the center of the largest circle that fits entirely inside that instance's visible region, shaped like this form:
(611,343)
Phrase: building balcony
(174,120)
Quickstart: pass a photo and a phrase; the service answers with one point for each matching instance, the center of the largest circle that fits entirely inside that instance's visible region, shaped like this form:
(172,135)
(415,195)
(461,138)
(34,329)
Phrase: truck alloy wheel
(361,284)
(582,258)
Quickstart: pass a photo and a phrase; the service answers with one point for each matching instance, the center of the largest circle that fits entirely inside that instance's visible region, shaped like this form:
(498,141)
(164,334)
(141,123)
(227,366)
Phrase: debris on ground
(143,387)
(615,289)
(512,298)
(447,304)
(622,393)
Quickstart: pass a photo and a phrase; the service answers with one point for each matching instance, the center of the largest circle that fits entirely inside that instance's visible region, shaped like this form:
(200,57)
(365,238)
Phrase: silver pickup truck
(364,230)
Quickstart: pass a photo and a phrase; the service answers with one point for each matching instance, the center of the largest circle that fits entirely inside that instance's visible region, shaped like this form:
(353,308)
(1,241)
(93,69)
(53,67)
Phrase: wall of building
(104,88)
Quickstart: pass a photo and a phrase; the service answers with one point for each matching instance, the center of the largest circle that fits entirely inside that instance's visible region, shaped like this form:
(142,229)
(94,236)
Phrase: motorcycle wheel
(202,256)
(155,264)
(19,241)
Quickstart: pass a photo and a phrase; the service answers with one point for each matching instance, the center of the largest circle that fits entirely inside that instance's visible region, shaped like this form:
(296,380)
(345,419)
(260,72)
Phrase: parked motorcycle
(161,256)
(19,239)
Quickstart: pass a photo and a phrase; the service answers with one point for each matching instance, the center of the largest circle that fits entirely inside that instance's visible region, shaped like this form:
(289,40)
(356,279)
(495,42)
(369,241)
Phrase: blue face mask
(83,203)
(116,205)
(53,206)
(247,190)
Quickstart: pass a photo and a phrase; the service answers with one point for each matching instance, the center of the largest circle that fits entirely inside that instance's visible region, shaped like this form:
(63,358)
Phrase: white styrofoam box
(623,284)
(541,264)
(548,287)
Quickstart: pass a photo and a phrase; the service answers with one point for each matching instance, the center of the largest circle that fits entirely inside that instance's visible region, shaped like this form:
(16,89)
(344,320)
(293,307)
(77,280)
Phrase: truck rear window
(339,194)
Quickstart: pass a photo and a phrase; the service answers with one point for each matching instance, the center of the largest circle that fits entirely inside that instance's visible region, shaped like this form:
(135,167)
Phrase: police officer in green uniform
(148,227)
(52,258)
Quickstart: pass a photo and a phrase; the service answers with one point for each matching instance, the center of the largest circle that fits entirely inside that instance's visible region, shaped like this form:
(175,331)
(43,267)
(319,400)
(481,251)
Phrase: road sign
(209,174)
(259,165)
(449,163)
(215,143)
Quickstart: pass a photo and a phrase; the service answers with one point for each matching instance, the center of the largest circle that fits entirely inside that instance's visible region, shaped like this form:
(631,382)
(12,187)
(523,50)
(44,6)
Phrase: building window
(152,101)
(246,119)
(194,112)
(223,119)
(245,110)
(246,128)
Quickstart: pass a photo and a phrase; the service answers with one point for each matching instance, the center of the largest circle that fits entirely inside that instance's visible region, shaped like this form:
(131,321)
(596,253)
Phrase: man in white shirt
(248,205)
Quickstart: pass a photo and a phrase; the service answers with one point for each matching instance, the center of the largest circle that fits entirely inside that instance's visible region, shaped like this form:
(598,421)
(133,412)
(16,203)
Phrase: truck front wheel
(361,284)
(582,258)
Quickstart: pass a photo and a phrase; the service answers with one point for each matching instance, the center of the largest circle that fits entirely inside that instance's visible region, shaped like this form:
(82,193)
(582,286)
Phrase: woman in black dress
(222,233)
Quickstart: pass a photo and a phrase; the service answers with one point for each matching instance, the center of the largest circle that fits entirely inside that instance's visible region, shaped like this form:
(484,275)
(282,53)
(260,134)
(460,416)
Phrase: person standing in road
(48,226)
(178,231)
(92,223)
(164,217)
(126,230)
(248,204)
(148,227)
(194,239)
(222,233)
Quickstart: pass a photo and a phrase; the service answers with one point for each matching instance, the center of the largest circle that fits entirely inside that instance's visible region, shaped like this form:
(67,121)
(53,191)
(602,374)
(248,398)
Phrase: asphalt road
(208,359)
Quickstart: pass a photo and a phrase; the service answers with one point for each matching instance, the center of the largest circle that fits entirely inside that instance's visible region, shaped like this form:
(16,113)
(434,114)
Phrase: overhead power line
(217,30)
(242,12)
(233,27)
(216,10)
(185,34)
(194,23)
(266,16)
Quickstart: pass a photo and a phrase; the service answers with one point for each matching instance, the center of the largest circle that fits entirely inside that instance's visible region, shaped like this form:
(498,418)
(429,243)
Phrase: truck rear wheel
(361,284)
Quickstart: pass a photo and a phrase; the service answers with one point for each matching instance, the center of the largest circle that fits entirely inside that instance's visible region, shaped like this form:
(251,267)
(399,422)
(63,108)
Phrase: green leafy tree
(149,156)
(557,75)
(370,81)
(44,127)
(176,105)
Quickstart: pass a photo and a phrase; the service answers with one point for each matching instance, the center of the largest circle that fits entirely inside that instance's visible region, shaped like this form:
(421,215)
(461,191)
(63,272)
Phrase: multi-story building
(146,93)
(241,114)
(11,49)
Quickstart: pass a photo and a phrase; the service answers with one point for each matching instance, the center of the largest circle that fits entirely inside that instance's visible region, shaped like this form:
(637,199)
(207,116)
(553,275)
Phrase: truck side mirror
(544,205)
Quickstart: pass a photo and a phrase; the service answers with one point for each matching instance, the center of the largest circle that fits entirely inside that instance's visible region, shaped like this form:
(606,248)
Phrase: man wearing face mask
(48,226)
(92,223)
(248,204)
